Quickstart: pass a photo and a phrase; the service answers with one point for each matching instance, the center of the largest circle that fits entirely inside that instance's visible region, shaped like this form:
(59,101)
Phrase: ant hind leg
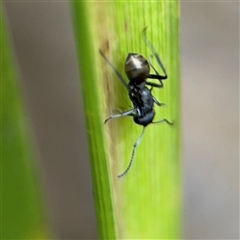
(164,120)
(133,153)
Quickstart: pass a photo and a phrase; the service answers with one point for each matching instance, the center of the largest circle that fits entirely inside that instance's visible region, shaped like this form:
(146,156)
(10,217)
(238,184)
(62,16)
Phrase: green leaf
(146,202)
(23,213)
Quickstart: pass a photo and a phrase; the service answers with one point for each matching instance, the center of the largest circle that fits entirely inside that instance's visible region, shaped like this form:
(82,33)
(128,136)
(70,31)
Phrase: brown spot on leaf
(126,25)
(107,45)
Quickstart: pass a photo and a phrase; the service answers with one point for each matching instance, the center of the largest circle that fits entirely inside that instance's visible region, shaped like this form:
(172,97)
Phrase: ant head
(136,68)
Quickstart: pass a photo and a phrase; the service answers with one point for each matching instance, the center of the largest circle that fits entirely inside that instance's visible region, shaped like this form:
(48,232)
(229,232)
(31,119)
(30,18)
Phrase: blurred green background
(43,42)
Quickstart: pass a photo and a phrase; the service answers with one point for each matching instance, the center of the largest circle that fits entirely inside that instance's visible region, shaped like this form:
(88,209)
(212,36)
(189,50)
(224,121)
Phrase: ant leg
(132,112)
(157,57)
(154,52)
(163,120)
(155,76)
(161,65)
(157,102)
(133,153)
(155,70)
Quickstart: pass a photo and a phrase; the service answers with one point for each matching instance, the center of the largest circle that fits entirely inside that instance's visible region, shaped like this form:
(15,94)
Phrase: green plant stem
(146,203)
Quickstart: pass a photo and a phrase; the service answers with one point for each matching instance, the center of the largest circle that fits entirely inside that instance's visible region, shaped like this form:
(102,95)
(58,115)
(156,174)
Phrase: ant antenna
(133,153)
(115,70)
(154,52)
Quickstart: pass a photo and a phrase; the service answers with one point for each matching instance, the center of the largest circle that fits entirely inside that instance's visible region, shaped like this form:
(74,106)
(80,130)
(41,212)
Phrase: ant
(137,69)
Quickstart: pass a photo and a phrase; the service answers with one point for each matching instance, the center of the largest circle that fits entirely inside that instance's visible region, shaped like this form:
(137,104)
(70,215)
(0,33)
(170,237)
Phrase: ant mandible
(137,69)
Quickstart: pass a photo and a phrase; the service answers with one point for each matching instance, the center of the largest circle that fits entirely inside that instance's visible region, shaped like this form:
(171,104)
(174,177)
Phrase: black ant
(137,69)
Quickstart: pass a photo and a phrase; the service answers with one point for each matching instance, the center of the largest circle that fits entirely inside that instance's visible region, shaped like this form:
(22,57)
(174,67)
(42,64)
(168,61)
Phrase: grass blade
(23,214)
(145,203)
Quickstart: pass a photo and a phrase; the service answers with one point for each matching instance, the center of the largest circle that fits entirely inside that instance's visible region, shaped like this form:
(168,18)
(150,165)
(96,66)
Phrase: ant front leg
(154,52)
(156,76)
(158,59)
(132,112)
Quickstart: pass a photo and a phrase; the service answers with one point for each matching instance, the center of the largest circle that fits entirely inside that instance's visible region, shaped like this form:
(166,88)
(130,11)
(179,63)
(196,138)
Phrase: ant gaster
(137,69)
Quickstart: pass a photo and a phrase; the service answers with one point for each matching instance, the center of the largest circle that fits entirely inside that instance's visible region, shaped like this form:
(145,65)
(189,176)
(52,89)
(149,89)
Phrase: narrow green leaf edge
(100,178)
